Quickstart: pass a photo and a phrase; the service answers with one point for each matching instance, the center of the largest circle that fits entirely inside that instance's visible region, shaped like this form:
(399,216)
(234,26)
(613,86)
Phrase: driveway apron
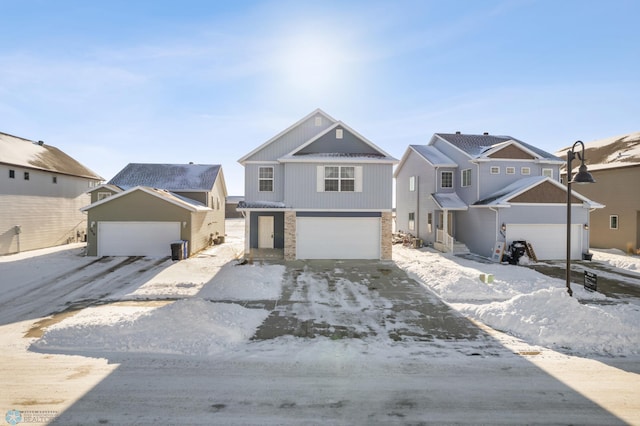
(359,299)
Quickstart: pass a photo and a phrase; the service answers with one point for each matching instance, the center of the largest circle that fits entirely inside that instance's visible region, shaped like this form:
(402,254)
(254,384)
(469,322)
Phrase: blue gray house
(469,192)
(318,190)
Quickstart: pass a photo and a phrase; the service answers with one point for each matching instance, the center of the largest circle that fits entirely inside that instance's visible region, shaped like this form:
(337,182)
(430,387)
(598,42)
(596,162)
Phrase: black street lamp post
(583,176)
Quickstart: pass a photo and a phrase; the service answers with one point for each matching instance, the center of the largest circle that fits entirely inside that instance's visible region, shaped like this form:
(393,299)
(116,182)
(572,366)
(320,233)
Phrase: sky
(117,82)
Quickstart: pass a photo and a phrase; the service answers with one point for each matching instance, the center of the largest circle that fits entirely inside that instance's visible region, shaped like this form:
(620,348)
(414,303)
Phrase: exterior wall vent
(486,133)
(457,132)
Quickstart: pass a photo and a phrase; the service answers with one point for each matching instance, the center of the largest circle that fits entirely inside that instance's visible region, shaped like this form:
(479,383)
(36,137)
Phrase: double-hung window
(466,177)
(446,179)
(339,179)
(265,179)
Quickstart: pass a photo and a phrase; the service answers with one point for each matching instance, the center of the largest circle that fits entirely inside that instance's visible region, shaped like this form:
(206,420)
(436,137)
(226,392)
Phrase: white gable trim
(499,146)
(405,157)
(149,191)
(437,136)
(288,129)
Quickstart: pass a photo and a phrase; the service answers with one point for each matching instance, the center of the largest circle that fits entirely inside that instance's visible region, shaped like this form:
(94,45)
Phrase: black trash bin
(177,250)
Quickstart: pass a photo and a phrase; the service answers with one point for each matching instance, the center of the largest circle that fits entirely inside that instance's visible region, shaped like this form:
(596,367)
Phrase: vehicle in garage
(179,202)
(471,192)
(318,190)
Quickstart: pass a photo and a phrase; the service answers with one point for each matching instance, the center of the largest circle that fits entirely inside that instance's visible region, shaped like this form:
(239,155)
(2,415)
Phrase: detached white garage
(137,238)
(338,237)
(549,241)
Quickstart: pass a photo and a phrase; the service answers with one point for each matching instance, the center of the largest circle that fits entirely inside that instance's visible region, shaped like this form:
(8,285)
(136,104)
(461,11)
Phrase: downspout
(417,219)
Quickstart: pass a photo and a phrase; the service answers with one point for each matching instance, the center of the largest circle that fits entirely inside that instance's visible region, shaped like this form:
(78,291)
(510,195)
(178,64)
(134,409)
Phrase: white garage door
(137,238)
(549,241)
(338,238)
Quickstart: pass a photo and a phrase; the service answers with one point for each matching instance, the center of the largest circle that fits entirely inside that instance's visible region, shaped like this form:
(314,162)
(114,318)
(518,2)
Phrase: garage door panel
(549,241)
(338,238)
(151,239)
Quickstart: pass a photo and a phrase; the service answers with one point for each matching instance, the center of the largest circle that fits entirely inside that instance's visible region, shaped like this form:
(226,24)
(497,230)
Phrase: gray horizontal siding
(301,188)
(291,140)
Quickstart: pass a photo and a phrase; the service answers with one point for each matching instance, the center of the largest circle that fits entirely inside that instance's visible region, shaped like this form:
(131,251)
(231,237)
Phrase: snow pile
(186,327)
(529,305)
(617,258)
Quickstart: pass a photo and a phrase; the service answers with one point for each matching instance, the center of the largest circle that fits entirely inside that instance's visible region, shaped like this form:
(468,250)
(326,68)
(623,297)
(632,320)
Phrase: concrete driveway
(359,299)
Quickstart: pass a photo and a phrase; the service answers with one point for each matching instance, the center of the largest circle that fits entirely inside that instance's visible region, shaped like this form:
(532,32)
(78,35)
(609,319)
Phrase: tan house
(146,208)
(615,165)
(41,192)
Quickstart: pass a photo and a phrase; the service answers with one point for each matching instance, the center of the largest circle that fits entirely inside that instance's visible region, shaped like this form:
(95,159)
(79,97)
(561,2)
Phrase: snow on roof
(476,145)
(433,155)
(449,201)
(261,205)
(172,177)
(609,153)
(38,155)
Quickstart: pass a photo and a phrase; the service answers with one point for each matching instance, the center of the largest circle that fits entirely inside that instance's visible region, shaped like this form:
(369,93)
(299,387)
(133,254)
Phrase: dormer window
(338,133)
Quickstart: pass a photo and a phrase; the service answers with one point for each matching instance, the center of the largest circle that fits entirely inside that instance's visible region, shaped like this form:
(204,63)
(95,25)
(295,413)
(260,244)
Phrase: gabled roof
(477,146)
(288,129)
(113,188)
(170,197)
(503,197)
(22,152)
(609,153)
(378,155)
(428,153)
(172,177)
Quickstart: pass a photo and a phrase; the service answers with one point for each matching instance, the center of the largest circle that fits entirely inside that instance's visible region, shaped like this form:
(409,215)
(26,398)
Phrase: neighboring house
(146,207)
(231,208)
(41,192)
(615,165)
(474,191)
(318,190)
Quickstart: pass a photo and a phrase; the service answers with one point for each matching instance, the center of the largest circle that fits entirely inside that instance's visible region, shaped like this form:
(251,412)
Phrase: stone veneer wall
(290,236)
(386,235)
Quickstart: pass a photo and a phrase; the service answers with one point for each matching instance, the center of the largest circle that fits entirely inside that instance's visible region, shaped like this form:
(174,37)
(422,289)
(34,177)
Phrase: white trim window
(446,179)
(339,133)
(102,195)
(510,170)
(525,170)
(412,221)
(265,179)
(495,170)
(412,183)
(613,221)
(548,173)
(339,179)
(465,177)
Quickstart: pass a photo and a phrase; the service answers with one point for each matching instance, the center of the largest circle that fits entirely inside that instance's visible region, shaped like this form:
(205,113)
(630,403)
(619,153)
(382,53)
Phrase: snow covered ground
(171,343)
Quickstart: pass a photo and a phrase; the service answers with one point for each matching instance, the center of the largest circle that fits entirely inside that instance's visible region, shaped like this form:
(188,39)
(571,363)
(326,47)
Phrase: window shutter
(358,182)
(320,179)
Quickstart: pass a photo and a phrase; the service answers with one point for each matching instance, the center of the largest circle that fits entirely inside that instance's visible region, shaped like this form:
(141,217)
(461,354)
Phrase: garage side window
(613,221)
(265,179)
(412,221)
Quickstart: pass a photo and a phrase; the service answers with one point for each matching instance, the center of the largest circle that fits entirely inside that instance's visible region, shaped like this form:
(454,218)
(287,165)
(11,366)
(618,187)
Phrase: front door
(265,232)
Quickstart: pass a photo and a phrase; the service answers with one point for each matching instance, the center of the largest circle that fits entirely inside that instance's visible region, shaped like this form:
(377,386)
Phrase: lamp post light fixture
(583,176)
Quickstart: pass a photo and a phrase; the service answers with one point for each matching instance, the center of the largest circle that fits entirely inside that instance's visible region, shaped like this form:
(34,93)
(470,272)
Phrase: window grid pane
(447,179)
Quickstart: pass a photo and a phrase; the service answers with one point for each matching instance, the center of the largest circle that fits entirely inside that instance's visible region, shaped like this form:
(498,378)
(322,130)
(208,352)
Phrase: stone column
(289,235)
(386,235)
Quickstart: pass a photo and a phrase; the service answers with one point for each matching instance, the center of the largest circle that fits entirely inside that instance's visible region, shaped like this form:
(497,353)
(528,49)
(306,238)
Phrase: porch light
(503,227)
(583,176)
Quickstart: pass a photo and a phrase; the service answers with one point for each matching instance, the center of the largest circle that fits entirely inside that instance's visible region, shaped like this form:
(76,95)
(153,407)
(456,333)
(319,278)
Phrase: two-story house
(615,165)
(318,190)
(144,208)
(473,191)
(41,192)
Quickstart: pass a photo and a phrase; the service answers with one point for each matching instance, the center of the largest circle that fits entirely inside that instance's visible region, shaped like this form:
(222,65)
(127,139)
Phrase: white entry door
(265,232)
